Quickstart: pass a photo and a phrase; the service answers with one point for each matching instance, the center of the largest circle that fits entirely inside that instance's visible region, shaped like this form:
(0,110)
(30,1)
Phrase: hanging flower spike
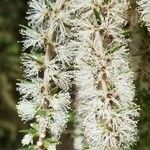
(144,9)
(105,90)
(45,97)
(105,99)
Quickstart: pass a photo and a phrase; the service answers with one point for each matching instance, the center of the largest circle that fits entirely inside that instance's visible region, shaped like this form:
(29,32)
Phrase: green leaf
(29,131)
(54,90)
(115,48)
(51,141)
(106,1)
(97,16)
(71,117)
(35,126)
(42,112)
(32,147)
(36,57)
(45,112)
(126,32)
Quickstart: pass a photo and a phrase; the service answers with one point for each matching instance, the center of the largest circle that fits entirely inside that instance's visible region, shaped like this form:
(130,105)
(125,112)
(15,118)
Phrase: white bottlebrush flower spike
(44,93)
(80,41)
(104,79)
(144,9)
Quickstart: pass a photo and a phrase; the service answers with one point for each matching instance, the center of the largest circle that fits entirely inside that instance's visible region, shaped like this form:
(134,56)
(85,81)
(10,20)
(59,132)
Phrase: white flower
(32,38)
(59,4)
(56,25)
(63,80)
(61,101)
(58,74)
(60,104)
(64,54)
(60,119)
(39,9)
(78,5)
(32,67)
(26,110)
(43,123)
(53,69)
(85,83)
(104,80)
(28,138)
(31,90)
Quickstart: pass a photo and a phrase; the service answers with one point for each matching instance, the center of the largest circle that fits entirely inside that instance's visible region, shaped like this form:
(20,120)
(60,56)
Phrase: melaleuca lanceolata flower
(91,32)
(105,99)
(44,93)
(144,9)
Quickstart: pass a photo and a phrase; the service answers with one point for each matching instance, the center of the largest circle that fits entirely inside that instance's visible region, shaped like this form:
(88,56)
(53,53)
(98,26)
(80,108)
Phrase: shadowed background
(12,13)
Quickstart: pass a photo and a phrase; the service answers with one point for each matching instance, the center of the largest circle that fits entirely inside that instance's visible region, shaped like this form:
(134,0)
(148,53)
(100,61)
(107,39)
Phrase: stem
(48,57)
(104,85)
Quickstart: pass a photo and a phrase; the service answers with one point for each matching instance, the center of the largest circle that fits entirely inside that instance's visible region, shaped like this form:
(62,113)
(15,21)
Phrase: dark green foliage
(97,16)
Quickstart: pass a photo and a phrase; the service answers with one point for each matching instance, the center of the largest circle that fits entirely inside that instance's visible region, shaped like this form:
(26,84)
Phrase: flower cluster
(144,8)
(44,92)
(103,77)
(81,40)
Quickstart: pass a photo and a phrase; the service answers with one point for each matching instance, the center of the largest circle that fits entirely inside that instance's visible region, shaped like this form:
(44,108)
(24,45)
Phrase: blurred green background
(12,13)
